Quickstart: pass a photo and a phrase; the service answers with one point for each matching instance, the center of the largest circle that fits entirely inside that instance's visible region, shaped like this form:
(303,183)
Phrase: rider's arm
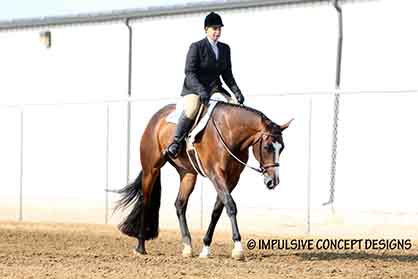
(192,69)
(227,75)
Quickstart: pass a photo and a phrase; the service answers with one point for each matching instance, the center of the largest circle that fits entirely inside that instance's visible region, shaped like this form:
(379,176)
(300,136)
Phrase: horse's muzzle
(271,182)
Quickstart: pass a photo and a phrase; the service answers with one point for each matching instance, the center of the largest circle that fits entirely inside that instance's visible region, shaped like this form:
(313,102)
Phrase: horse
(223,148)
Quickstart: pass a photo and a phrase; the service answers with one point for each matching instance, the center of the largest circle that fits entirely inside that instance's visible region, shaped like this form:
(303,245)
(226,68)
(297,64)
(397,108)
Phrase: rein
(262,169)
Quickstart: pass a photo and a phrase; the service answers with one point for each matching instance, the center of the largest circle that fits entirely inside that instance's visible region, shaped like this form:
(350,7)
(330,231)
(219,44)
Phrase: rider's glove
(239,96)
(204,98)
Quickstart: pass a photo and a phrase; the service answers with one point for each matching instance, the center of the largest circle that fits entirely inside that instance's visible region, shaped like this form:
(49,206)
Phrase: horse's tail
(132,195)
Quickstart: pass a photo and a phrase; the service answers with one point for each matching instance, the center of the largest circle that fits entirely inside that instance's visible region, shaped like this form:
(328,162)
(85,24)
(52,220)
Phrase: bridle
(263,168)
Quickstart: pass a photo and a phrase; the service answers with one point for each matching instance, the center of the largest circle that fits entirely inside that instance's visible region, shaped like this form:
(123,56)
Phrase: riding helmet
(213,19)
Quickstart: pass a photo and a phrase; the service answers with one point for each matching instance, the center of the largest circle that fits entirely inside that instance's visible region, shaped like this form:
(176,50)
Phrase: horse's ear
(286,125)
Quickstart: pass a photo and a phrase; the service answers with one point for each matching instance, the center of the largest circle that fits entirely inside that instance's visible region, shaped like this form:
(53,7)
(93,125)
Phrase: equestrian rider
(206,60)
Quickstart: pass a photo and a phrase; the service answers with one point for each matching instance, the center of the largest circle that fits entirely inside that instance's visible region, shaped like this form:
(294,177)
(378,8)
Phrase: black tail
(132,194)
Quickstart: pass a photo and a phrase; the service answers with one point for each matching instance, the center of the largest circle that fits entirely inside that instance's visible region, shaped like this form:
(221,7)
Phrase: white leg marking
(205,252)
(187,251)
(238,251)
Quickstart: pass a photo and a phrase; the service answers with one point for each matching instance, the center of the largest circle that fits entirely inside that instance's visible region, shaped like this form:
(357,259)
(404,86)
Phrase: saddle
(200,124)
(201,119)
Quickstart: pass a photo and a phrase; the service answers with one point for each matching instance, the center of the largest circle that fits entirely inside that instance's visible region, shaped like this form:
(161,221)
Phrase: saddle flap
(202,122)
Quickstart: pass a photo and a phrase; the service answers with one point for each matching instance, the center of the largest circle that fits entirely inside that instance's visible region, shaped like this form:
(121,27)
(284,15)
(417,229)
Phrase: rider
(206,60)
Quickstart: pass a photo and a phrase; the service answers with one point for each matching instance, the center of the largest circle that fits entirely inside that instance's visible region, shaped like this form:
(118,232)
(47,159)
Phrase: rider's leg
(191,107)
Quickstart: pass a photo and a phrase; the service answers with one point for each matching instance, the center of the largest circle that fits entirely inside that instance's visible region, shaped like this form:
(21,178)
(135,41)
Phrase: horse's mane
(270,124)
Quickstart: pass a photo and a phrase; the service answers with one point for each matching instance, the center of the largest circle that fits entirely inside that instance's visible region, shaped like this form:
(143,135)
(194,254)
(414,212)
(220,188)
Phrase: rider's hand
(204,98)
(240,97)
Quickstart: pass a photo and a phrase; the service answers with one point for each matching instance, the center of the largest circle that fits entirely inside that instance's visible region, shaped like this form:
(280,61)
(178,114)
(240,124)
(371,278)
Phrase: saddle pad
(174,116)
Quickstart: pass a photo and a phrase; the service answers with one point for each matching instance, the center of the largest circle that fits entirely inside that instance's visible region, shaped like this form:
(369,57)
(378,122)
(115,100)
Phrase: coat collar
(212,53)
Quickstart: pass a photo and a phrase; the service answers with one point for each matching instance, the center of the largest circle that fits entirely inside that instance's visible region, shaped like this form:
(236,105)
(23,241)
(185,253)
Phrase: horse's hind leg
(150,202)
(188,181)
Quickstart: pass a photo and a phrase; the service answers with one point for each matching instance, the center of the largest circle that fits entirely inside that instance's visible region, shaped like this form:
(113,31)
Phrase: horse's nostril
(269,183)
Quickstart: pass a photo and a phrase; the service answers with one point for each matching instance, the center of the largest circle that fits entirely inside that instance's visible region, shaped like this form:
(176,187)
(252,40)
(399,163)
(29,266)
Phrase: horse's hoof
(238,251)
(237,254)
(138,252)
(187,251)
(205,252)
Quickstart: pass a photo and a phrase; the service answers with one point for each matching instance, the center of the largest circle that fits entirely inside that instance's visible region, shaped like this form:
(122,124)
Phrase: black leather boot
(183,127)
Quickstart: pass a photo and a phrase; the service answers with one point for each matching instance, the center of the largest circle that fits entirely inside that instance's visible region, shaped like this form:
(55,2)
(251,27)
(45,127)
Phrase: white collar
(212,42)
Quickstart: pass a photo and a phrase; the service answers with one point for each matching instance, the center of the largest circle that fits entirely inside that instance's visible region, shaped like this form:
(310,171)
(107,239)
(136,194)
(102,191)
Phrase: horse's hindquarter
(156,136)
(165,129)
(161,132)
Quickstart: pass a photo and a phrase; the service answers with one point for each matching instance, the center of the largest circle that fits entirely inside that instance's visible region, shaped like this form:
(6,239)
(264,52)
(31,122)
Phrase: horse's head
(267,150)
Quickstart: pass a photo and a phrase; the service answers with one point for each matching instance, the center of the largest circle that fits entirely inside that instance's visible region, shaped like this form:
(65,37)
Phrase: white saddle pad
(175,115)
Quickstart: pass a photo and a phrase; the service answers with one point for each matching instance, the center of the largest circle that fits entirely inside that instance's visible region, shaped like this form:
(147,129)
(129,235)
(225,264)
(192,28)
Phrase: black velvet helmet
(213,19)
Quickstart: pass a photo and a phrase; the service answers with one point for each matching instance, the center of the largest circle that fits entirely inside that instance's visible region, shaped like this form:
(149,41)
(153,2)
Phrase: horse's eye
(269,148)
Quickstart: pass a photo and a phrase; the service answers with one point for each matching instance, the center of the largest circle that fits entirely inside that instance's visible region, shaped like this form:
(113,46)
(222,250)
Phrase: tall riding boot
(183,127)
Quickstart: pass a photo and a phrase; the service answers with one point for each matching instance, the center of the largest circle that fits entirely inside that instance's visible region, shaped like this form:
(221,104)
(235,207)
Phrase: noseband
(263,168)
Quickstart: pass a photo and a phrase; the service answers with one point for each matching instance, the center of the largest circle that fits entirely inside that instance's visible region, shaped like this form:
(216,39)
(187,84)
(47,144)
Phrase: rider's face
(213,32)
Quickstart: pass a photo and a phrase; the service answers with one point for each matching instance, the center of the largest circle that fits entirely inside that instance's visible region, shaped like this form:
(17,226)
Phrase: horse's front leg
(207,239)
(188,182)
(231,211)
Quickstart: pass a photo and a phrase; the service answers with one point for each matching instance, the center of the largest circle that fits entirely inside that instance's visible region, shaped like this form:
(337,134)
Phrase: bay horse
(223,148)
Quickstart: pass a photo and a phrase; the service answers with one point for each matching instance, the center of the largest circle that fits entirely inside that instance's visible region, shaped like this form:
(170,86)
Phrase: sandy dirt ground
(45,250)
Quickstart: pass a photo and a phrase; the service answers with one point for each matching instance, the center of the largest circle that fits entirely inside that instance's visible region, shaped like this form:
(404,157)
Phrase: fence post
(128,142)
(333,168)
(128,132)
(107,167)
(308,213)
(21,168)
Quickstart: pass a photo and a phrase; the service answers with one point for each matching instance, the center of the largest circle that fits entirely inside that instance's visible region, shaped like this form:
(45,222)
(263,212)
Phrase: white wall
(274,50)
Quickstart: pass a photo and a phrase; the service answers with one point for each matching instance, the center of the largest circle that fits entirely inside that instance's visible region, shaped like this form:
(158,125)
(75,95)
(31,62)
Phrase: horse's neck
(244,126)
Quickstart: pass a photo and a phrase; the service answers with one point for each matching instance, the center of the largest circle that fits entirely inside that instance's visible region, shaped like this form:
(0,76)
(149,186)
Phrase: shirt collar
(212,42)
